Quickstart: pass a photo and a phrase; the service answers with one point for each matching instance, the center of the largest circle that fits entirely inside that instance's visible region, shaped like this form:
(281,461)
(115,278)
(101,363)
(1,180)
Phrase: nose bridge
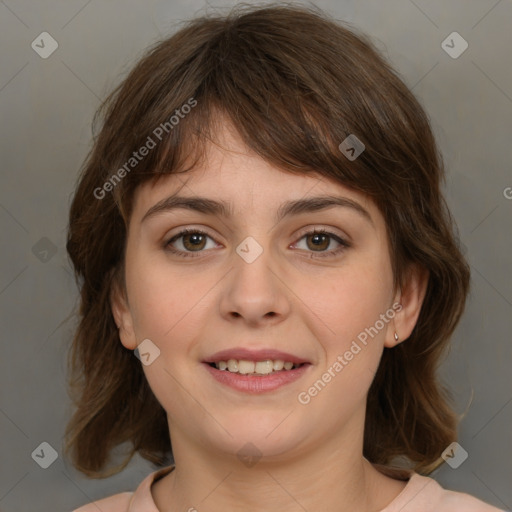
(255,291)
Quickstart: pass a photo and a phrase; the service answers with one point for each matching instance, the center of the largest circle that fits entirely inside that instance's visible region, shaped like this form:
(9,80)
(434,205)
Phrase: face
(256,283)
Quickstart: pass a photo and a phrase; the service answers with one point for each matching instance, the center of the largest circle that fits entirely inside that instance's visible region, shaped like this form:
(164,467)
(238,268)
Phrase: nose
(256,292)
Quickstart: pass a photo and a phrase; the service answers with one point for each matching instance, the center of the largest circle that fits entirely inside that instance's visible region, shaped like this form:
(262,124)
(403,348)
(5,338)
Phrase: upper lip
(254,355)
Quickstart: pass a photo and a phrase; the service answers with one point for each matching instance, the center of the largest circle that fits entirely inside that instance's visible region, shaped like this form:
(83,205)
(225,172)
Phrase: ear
(122,315)
(411,299)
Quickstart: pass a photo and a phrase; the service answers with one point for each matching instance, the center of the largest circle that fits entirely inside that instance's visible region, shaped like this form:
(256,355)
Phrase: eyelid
(321,228)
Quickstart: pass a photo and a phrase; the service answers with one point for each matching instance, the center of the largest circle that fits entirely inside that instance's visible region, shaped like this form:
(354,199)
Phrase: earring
(396,336)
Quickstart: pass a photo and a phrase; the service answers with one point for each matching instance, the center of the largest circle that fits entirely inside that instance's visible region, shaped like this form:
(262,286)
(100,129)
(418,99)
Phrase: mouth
(255,372)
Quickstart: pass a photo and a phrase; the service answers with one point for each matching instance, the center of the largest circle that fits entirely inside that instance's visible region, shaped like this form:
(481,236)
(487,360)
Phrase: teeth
(245,367)
(264,367)
(278,365)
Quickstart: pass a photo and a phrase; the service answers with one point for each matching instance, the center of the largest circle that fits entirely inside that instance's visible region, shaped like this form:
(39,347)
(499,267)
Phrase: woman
(260,222)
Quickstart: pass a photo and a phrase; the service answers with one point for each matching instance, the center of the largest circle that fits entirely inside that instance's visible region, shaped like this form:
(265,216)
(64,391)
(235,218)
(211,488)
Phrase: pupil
(319,239)
(194,240)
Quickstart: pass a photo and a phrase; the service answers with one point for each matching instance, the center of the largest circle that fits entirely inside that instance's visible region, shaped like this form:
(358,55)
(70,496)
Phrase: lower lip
(256,385)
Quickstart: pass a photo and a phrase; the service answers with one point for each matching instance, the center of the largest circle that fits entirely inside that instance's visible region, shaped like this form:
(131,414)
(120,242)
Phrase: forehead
(232,172)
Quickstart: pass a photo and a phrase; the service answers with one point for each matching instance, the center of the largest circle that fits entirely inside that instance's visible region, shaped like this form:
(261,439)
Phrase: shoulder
(423,494)
(453,500)
(116,503)
(140,500)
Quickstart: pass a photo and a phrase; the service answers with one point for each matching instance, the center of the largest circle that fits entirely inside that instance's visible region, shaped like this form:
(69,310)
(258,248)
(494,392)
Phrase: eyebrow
(224,209)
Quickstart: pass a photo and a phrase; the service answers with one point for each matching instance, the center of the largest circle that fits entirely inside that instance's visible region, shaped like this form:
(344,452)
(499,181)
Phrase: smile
(252,381)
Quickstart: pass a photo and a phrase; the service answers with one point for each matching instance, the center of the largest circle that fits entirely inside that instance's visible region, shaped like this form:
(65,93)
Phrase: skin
(192,307)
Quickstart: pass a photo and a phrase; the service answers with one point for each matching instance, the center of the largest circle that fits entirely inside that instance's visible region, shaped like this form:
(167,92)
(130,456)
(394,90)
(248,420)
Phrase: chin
(253,437)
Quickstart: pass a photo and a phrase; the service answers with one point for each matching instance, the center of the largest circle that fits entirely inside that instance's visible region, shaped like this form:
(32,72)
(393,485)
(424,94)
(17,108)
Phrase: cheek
(159,297)
(354,298)
(352,351)
(353,312)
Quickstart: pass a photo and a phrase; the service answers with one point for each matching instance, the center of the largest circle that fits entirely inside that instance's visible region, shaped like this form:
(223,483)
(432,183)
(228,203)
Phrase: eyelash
(323,254)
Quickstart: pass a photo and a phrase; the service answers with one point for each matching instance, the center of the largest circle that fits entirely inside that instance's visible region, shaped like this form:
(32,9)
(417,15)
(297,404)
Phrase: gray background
(46,111)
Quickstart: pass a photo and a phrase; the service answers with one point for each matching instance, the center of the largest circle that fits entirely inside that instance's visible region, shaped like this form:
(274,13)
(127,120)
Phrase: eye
(194,240)
(319,240)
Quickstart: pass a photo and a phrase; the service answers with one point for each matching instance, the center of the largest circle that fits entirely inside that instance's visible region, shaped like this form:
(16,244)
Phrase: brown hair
(295,84)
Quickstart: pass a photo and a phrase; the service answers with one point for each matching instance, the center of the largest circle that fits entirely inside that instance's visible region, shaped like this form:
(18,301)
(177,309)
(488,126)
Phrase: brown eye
(319,241)
(194,241)
(187,242)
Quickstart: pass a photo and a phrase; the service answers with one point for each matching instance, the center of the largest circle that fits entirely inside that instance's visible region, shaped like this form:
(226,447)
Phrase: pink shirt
(421,494)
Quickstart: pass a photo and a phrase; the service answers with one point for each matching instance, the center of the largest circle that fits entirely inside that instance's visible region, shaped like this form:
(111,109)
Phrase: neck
(335,477)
